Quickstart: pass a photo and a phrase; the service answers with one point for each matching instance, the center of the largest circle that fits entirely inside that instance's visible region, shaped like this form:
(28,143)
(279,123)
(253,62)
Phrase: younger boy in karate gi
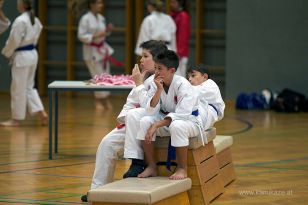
(112,145)
(211,105)
(209,94)
(173,107)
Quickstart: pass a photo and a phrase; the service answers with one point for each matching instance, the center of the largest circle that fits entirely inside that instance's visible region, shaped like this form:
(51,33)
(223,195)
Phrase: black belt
(164,112)
(195,113)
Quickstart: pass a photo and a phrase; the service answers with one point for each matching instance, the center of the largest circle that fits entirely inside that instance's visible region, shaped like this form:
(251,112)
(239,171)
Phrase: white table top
(84,84)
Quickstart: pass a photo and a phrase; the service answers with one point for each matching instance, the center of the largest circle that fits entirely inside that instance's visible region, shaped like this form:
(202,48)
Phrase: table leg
(56,122)
(50,122)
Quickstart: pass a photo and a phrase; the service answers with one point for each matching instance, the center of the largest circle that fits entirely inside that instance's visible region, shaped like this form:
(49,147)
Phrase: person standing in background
(156,26)
(4,21)
(20,49)
(92,32)
(179,13)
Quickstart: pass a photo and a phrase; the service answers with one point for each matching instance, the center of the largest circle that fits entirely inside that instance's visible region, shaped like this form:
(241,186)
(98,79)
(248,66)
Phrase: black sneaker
(84,198)
(135,168)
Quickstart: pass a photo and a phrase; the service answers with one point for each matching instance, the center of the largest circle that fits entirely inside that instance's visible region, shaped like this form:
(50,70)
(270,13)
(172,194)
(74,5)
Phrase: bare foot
(99,106)
(44,118)
(148,172)
(10,123)
(107,104)
(180,173)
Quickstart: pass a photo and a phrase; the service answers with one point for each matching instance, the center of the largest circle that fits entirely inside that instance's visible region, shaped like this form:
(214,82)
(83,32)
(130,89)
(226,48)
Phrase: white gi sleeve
(187,101)
(145,94)
(17,32)
(209,92)
(4,25)
(131,103)
(152,110)
(144,35)
(39,28)
(83,31)
(173,35)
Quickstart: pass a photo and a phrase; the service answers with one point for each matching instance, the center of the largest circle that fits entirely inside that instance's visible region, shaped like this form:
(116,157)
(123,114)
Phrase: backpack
(253,101)
(289,101)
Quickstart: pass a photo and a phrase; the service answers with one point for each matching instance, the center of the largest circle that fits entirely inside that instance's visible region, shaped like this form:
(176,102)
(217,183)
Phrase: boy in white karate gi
(157,26)
(174,106)
(112,145)
(4,21)
(20,48)
(92,32)
(211,105)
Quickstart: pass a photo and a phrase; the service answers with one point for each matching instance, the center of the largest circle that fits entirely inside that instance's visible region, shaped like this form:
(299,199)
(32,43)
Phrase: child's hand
(109,27)
(99,34)
(137,76)
(150,133)
(158,81)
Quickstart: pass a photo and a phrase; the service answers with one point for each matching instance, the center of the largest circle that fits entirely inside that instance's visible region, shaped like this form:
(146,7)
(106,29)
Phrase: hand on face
(158,80)
(137,75)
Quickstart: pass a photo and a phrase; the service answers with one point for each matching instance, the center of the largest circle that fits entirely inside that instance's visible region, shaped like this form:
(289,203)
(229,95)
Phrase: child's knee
(177,126)
(135,114)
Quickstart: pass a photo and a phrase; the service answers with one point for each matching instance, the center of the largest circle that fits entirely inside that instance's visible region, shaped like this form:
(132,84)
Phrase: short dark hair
(89,2)
(204,69)
(154,47)
(184,4)
(168,58)
(157,4)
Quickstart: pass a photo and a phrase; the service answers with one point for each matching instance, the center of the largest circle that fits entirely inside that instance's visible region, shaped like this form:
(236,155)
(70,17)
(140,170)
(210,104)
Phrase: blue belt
(171,149)
(25,48)
(214,108)
(195,113)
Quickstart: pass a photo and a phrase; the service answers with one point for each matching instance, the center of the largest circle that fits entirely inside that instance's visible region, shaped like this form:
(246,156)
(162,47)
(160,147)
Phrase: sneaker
(84,198)
(135,168)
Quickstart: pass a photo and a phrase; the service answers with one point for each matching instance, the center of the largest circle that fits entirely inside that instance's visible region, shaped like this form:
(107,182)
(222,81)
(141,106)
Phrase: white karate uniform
(211,105)
(182,67)
(94,56)
(179,102)
(112,145)
(24,65)
(4,25)
(157,26)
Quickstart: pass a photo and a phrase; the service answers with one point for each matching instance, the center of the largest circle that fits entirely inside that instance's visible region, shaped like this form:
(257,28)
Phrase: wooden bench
(203,167)
(210,169)
(153,190)
(222,146)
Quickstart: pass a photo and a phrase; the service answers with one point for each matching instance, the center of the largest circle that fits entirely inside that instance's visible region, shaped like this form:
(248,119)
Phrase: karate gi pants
(179,130)
(132,147)
(109,150)
(96,68)
(23,93)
